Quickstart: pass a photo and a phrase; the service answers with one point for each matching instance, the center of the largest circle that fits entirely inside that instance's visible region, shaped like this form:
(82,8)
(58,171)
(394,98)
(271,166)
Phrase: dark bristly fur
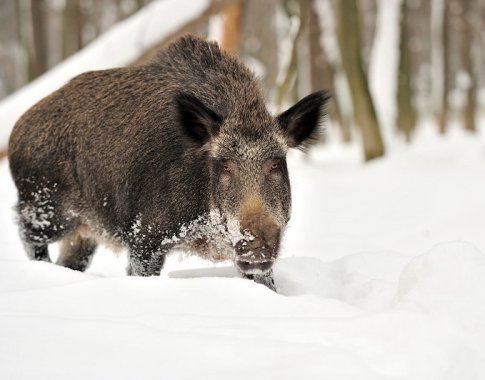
(162,156)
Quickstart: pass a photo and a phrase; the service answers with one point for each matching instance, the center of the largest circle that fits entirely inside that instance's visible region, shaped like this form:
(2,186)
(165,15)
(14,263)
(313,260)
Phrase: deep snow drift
(382,277)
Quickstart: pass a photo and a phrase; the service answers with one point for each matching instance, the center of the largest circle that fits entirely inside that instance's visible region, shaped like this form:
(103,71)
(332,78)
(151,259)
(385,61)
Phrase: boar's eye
(272,166)
(228,167)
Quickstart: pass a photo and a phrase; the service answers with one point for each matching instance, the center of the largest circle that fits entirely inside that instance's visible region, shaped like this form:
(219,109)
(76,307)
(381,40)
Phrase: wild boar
(180,153)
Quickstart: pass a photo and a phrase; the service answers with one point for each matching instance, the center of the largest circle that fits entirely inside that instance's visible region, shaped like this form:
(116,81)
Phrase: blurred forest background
(296,47)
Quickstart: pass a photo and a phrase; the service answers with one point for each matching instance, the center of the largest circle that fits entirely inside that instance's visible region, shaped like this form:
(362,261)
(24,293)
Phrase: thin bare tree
(406,114)
(466,57)
(39,32)
(231,34)
(441,41)
(322,73)
(259,39)
(348,31)
(72,28)
(287,84)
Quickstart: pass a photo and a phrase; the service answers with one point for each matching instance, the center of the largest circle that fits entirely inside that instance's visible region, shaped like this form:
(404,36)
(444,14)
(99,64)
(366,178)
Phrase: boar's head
(246,156)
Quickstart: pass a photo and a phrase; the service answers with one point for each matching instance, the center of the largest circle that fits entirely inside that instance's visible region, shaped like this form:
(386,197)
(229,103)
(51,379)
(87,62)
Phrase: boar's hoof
(265,279)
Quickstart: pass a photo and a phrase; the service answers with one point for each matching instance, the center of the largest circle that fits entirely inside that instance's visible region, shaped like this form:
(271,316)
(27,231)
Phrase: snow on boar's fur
(178,153)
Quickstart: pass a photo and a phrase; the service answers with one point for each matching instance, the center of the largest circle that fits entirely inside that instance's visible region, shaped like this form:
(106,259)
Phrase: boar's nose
(256,220)
(257,255)
(264,249)
(261,236)
(266,237)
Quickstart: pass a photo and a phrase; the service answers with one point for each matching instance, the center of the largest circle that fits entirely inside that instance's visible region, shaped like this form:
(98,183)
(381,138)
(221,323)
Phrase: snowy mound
(341,318)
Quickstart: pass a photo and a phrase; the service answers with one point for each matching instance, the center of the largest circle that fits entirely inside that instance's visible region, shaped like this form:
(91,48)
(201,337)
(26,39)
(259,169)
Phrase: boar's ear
(301,122)
(199,121)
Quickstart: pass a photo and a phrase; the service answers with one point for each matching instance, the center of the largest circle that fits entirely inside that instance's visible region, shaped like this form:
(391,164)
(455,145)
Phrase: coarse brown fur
(165,155)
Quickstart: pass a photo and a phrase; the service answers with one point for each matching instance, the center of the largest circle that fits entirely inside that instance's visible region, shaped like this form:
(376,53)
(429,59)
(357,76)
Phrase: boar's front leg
(145,262)
(266,279)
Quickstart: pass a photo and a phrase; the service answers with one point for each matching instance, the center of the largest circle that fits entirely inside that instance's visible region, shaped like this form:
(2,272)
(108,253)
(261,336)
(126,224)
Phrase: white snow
(382,277)
(382,274)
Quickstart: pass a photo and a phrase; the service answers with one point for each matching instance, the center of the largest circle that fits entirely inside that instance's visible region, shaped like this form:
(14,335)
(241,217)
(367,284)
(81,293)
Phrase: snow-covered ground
(382,274)
(382,277)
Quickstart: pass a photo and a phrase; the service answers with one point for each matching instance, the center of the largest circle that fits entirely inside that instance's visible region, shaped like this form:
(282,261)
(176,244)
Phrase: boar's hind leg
(145,263)
(39,225)
(76,251)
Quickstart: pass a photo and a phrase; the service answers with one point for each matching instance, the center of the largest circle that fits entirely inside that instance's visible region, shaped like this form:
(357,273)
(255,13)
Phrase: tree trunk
(445,35)
(322,74)
(141,3)
(368,24)
(39,30)
(232,28)
(260,38)
(466,43)
(406,115)
(10,60)
(26,37)
(97,15)
(72,27)
(348,31)
(289,80)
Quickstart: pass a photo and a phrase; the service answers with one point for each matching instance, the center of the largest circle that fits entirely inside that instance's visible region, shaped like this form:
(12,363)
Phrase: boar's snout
(254,256)
(258,254)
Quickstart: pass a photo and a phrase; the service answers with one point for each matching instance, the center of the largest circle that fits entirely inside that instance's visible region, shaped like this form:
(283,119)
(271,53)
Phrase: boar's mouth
(254,257)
